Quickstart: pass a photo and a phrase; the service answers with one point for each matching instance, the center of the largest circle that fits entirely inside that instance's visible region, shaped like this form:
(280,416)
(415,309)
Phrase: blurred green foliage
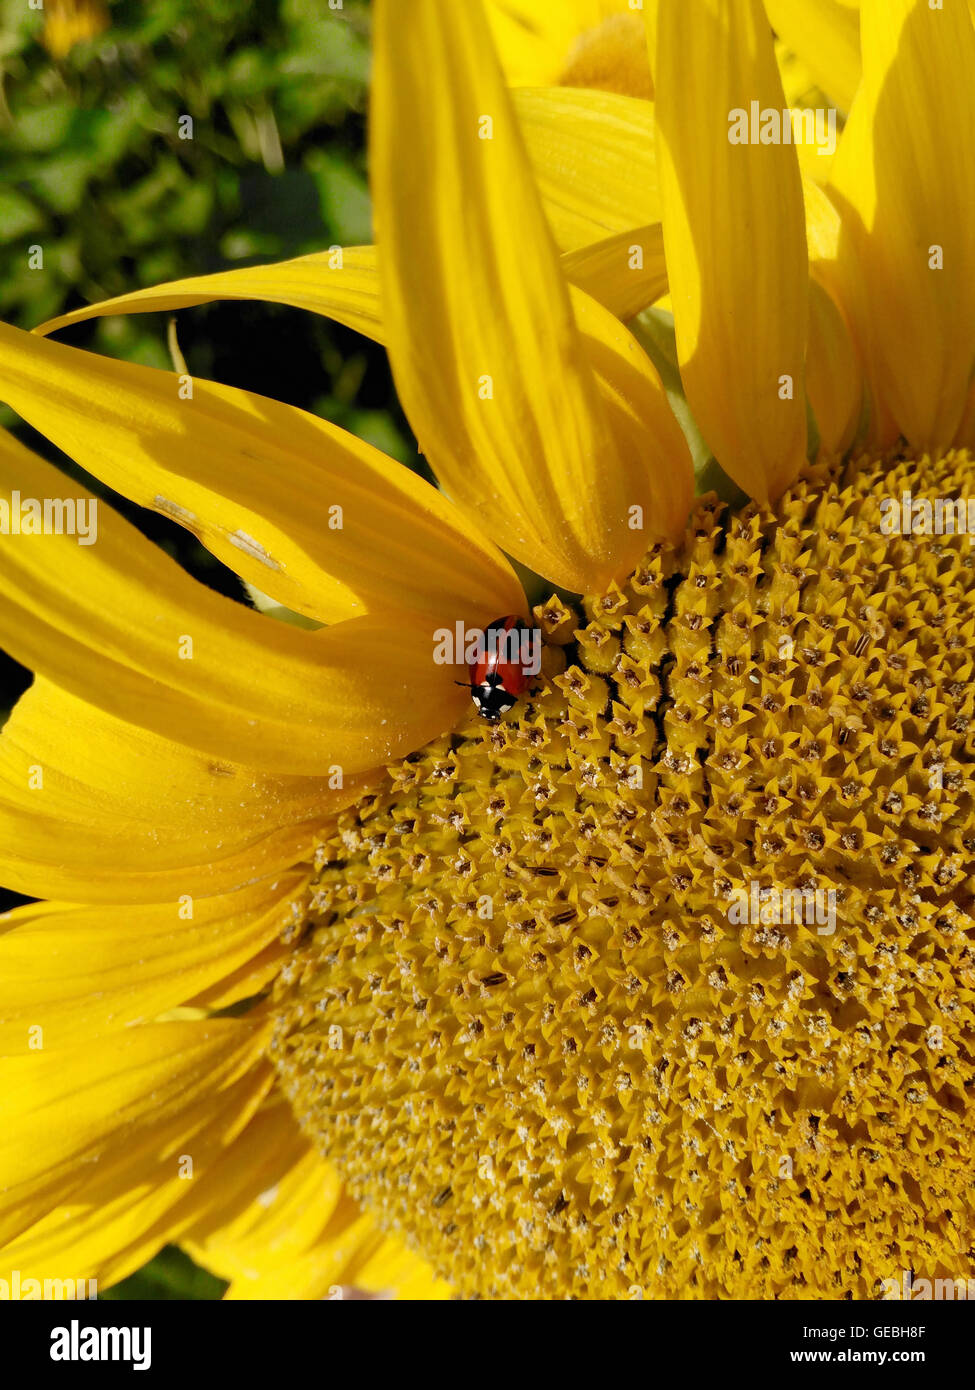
(93,171)
(171,1275)
(96,173)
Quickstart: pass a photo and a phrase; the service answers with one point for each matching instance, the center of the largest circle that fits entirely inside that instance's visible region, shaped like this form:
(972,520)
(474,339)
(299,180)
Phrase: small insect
(498,677)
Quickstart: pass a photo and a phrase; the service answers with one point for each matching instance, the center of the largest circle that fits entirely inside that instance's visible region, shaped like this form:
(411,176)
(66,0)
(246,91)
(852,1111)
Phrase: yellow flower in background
(578,43)
(504,982)
(67,22)
(602,44)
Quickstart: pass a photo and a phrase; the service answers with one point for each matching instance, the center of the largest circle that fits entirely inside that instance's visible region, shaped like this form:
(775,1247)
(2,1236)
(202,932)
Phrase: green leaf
(61,182)
(344,195)
(171,1275)
(18,215)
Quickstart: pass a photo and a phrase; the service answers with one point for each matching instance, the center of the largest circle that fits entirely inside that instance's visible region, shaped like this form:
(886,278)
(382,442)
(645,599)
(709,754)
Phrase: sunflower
(172,778)
(493,974)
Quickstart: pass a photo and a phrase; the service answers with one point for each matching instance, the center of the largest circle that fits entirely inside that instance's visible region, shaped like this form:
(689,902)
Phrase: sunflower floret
(529,1029)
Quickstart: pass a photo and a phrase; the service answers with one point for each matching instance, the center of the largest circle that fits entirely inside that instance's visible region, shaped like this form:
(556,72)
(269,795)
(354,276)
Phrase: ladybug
(497,680)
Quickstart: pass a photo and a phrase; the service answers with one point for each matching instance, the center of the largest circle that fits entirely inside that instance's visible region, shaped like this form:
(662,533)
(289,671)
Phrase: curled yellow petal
(660,477)
(320,520)
(120,625)
(624,271)
(834,368)
(108,1215)
(340,283)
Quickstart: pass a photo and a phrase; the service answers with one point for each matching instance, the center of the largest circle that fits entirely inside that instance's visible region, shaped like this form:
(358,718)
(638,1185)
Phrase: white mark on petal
(173,509)
(252,548)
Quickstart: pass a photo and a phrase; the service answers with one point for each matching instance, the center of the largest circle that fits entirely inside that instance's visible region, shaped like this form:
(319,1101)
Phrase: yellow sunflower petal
(965,437)
(823,236)
(834,267)
(834,371)
(340,283)
(116,1100)
(121,625)
(797,80)
(903,175)
(248,979)
(652,444)
(734,238)
(593,158)
(114,1214)
(833,377)
(106,967)
(243,1191)
(826,37)
(261,1215)
(277,1223)
(625,272)
(488,360)
(394,1269)
(95,809)
(324,523)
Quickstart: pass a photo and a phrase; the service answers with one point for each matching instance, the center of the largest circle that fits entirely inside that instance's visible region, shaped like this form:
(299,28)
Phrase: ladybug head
(490,697)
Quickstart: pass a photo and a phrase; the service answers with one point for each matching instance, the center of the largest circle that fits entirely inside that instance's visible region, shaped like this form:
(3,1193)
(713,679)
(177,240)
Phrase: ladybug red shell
(496,679)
